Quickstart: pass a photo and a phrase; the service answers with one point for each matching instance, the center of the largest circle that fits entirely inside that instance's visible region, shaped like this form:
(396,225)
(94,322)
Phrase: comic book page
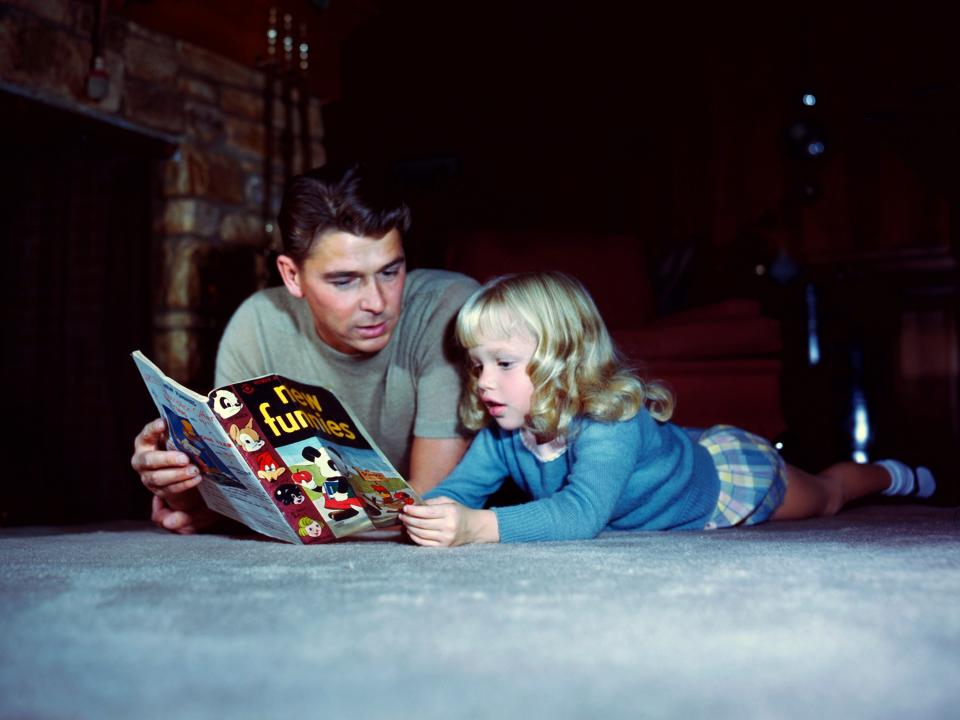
(229,487)
(312,455)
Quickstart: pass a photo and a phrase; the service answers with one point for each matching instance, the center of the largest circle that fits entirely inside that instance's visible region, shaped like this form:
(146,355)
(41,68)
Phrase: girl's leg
(810,495)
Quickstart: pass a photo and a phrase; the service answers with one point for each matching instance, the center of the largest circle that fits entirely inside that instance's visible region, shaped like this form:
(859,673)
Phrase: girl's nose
(485,378)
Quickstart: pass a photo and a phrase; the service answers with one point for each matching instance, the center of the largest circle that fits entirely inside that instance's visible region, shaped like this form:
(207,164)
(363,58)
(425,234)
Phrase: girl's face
(500,367)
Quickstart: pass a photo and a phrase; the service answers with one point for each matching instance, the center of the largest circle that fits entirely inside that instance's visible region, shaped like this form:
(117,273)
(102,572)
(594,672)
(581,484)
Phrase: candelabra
(285,67)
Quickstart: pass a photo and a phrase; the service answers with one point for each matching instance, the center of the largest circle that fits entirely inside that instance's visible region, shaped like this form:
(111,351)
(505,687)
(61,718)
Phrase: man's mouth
(372,331)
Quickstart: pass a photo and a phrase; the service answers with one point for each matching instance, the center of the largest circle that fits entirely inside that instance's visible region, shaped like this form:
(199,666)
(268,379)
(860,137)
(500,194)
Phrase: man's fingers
(173,520)
(158,459)
(160,470)
(153,433)
(184,522)
(178,487)
(179,522)
(171,480)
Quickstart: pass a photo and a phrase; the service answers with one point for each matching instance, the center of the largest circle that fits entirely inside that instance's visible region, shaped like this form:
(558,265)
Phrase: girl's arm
(604,458)
(477,476)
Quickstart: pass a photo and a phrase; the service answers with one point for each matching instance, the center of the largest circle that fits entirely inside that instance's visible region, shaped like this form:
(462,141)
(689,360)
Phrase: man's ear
(290,272)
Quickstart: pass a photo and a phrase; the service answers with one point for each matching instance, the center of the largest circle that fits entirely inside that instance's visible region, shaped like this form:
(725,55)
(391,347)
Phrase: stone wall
(209,111)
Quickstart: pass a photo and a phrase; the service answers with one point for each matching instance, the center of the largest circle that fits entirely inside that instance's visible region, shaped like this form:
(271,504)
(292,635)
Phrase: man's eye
(391,273)
(342,282)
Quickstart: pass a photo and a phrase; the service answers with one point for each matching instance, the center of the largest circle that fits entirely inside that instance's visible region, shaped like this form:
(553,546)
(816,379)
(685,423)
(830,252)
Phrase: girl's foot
(904,480)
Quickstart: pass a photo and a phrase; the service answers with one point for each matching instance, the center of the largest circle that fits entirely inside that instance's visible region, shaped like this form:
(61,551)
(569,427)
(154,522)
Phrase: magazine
(286,459)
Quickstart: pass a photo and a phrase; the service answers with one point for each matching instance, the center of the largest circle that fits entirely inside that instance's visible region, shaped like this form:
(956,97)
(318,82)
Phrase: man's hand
(163,472)
(191,515)
(441,522)
(169,475)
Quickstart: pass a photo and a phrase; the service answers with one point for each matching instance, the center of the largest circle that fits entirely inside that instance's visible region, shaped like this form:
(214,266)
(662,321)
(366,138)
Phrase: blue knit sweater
(637,474)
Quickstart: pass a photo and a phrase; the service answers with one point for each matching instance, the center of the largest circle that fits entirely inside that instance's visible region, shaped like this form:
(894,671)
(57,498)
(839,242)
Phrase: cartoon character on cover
(290,494)
(246,438)
(336,486)
(225,404)
(305,479)
(309,526)
(268,467)
(192,444)
(392,501)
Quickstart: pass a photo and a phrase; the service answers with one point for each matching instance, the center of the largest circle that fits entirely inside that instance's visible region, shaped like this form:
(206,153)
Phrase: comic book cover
(285,458)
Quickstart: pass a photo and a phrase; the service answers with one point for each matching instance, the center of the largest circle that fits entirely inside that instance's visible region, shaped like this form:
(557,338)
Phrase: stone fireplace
(140,212)
(217,184)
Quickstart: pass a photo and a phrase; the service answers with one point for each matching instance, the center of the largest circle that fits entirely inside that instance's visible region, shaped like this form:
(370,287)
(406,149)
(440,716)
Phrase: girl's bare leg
(810,495)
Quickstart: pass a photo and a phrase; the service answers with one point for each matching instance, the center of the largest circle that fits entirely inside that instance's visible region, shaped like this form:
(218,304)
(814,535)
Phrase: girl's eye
(505,364)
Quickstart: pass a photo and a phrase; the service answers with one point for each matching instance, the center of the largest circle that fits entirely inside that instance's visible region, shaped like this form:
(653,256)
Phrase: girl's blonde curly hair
(575,369)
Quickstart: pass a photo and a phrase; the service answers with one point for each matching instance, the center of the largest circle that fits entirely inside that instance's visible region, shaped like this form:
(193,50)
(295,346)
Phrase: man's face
(353,286)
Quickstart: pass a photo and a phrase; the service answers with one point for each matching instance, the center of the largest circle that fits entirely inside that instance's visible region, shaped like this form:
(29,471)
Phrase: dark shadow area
(76,284)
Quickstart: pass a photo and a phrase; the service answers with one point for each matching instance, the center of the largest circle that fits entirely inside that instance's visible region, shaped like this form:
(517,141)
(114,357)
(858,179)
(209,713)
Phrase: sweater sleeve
(477,476)
(603,458)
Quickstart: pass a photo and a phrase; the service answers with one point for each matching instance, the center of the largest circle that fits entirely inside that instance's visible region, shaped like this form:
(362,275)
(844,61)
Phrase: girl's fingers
(427,537)
(422,541)
(423,511)
(420,523)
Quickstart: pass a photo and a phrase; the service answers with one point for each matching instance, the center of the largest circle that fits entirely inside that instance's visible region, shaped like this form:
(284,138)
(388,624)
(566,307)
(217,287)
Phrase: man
(349,317)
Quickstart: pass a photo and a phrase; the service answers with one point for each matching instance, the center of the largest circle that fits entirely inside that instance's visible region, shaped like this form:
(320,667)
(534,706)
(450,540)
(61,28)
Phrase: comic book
(284,458)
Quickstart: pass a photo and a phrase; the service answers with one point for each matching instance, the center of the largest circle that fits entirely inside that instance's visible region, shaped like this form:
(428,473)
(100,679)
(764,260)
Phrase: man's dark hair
(337,199)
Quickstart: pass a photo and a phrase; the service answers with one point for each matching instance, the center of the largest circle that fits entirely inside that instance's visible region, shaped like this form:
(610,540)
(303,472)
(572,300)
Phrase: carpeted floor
(851,617)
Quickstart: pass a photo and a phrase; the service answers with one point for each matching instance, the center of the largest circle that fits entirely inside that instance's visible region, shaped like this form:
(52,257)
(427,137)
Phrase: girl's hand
(441,522)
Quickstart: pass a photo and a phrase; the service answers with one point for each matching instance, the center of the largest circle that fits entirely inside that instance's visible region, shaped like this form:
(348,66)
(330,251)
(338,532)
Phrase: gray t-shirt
(409,389)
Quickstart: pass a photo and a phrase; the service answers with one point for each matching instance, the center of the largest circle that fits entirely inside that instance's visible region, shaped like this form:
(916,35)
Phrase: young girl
(591,444)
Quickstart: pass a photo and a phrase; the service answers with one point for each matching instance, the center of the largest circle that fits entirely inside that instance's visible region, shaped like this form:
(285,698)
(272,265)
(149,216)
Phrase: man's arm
(432,459)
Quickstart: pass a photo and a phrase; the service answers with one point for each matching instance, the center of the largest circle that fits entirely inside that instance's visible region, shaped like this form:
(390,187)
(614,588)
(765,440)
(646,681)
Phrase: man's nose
(372,299)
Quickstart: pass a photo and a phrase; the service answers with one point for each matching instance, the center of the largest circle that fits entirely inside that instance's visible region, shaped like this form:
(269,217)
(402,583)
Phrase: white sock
(906,481)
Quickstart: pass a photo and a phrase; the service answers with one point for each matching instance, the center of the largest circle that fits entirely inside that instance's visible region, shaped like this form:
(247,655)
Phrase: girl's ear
(290,272)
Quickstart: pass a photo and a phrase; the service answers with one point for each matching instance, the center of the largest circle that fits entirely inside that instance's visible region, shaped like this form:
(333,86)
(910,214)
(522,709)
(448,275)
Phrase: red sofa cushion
(612,267)
(721,360)
(728,329)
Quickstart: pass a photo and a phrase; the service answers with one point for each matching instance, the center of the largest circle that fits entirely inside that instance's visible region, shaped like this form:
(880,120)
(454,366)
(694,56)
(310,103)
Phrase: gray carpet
(852,617)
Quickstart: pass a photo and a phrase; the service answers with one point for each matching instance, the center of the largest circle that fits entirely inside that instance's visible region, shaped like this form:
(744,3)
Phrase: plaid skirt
(753,476)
